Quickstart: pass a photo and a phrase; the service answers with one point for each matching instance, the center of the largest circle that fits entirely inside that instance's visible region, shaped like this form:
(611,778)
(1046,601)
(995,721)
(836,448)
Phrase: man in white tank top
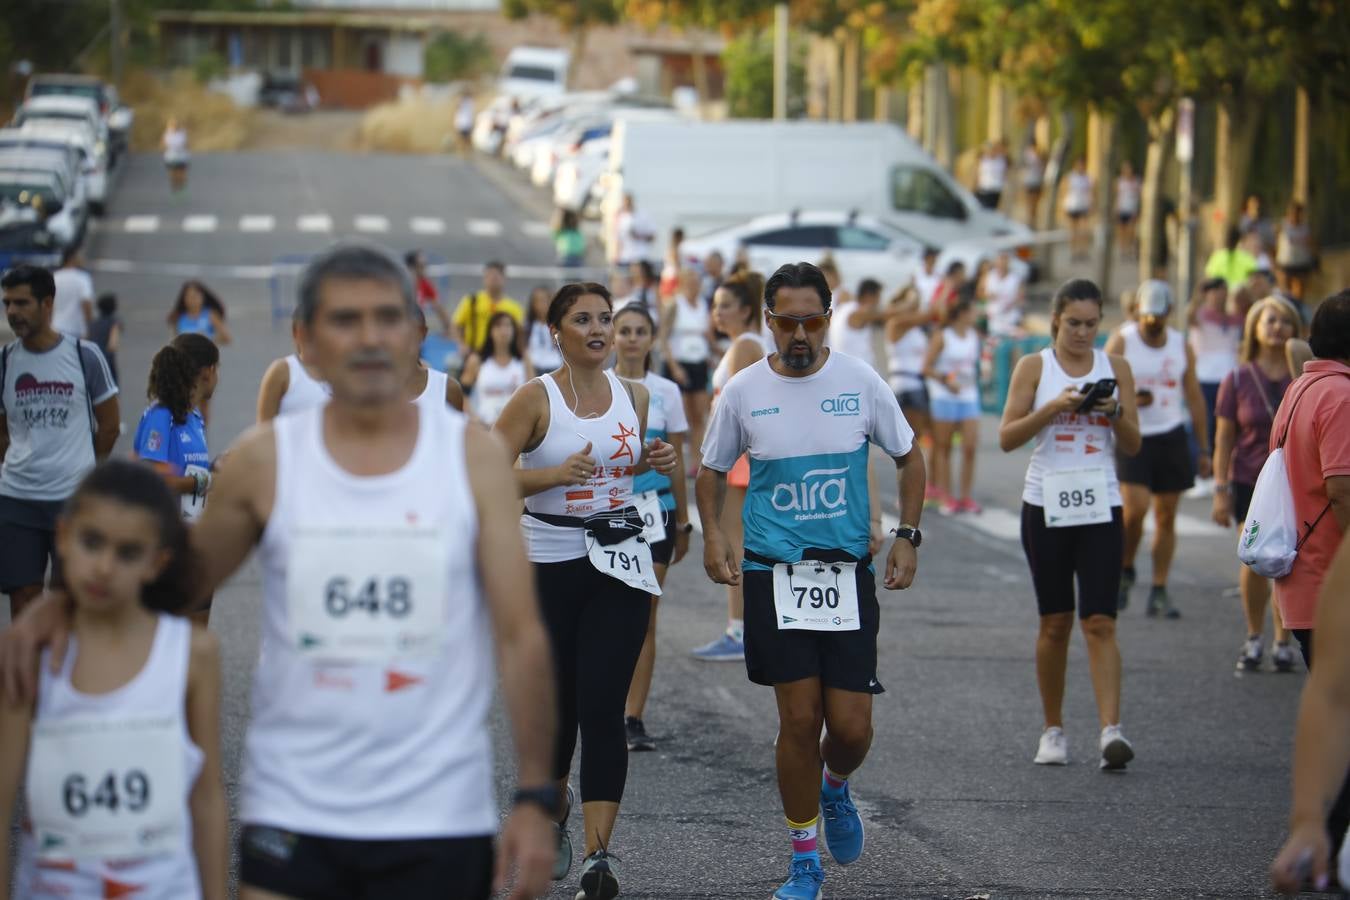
(851,323)
(393,573)
(1168,395)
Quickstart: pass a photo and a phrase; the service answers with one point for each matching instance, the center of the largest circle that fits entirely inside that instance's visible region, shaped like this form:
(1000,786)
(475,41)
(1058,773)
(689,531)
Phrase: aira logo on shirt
(843,405)
(817,496)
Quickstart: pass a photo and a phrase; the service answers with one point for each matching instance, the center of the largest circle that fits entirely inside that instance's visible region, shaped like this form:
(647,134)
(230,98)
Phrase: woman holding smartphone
(1072,525)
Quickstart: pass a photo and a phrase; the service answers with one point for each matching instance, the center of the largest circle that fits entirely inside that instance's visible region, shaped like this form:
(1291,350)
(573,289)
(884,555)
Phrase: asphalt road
(953,806)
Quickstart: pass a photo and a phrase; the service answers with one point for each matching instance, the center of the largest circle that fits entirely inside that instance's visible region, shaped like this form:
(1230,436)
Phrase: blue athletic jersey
(808,440)
(665,416)
(198,324)
(160,439)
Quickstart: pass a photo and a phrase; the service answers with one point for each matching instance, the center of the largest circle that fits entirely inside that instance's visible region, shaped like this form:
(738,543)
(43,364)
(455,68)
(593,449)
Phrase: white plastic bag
(1269,540)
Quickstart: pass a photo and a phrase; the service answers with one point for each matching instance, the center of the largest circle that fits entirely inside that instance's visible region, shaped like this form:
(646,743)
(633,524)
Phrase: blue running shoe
(725,649)
(805,879)
(843,831)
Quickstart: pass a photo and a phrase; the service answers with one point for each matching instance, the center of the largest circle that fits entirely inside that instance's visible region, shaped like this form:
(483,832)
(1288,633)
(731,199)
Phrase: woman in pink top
(1247,399)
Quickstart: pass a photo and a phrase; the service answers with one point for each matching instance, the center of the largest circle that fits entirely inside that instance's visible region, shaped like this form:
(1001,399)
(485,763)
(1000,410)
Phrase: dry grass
(407,126)
(213,121)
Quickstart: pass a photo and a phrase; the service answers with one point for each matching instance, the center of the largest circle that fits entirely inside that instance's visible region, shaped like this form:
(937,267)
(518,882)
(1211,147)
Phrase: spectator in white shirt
(74,307)
(634,235)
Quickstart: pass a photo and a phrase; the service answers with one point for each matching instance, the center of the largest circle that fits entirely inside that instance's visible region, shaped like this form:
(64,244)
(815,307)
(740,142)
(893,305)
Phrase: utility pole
(1185,215)
(115,36)
(780,60)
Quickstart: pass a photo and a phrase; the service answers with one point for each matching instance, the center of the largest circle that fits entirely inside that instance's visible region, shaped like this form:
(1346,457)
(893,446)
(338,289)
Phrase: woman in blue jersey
(172,435)
(662,501)
(199,311)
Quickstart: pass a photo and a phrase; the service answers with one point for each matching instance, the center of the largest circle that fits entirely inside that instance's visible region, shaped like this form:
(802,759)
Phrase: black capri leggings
(1093,553)
(596,626)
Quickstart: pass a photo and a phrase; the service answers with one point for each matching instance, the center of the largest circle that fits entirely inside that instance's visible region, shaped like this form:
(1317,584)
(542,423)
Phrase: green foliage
(748,64)
(572,15)
(450,56)
(209,66)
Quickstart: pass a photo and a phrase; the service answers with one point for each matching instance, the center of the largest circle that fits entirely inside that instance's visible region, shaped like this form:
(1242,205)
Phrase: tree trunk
(1152,238)
(914,111)
(836,83)
(997,124)
(852,45)
(1302,115)
(1103,154)
(1056,163)
(881,104)
(939,129)
(700,68)
(578,51)
(1238,121)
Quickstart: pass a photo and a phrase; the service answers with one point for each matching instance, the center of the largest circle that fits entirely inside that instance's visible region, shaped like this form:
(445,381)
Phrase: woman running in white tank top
(950,370)
(496,370)
(122,773)
(1072,526)
(684,340)
(578,435)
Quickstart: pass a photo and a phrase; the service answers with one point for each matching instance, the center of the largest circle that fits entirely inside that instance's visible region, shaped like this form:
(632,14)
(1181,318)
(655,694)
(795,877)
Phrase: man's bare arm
(241,500)
(108,420)
(523,655)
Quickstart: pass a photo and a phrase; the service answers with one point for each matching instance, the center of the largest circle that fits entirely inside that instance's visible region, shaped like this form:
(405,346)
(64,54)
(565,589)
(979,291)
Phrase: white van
(706,175)
(534,71)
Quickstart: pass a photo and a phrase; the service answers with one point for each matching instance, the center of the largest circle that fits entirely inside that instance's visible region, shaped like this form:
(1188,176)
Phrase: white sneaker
(1054,748)
(1204,487)
(1116,751)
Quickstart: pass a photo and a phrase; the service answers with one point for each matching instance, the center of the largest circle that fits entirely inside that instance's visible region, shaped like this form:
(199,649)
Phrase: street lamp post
(780,60)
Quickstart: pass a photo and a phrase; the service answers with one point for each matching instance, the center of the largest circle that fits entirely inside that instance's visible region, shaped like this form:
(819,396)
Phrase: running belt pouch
(1270,538)
(608,528)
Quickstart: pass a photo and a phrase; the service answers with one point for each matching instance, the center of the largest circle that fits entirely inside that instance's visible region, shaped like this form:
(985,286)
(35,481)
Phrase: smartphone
(1095,393)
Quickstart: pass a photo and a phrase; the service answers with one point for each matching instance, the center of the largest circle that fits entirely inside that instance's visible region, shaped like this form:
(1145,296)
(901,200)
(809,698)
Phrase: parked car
(23,238)
(43,193)
(61,163)
(569,140)
(287,93)
(64,107)
(92,157)
(116,117)
(578,174)
(705,175)
(862,246)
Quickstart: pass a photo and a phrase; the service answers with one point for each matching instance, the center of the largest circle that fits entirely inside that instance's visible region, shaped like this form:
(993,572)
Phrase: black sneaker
(1126,582)
(638,739)
(1160,604)
(599,877)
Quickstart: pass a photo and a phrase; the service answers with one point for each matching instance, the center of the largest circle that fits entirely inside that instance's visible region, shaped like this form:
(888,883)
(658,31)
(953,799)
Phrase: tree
(450,56)
(748,63)
(574,17)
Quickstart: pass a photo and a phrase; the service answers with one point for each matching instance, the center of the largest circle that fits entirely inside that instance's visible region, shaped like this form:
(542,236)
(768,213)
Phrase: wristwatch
(909,533)
(686,528)
(547,797)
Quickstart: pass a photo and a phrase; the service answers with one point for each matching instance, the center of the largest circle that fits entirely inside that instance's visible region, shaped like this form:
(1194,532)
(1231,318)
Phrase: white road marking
(483,227)
(372,224)
(536,229)
(315,222)
(141,224)
(199,223)
(268,270)
(427,225)
(257,223)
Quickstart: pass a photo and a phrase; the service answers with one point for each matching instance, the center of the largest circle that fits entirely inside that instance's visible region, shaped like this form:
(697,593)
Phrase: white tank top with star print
(616,447)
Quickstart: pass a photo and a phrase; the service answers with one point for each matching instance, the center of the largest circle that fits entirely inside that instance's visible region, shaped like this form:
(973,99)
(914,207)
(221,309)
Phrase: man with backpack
(58,416)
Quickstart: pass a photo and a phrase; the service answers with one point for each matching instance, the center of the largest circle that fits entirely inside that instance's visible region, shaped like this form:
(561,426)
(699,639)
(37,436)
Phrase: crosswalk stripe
(257,223)
(141,224)
(315,222)
(199,223)
(536,229)
(484,227)
(427,225)
(373,224)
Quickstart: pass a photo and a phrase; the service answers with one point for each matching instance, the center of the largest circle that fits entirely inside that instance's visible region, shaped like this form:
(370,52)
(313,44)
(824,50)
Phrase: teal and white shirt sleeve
(724,440)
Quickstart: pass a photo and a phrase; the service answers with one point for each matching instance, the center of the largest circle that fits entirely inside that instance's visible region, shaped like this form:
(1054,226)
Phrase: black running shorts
(1090,554)
(664,550)
(1163,463)
(323,868)
(846,660)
